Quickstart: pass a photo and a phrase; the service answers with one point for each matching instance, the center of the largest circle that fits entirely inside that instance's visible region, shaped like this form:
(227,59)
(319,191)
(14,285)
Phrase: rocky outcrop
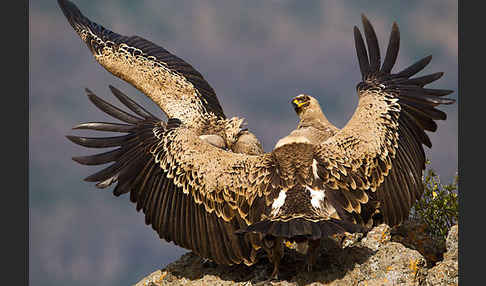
(446,272)
(374,259)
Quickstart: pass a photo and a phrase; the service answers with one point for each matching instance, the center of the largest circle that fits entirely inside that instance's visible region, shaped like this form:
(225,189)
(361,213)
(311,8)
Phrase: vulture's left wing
(379,152)
(179,89)
(191,192)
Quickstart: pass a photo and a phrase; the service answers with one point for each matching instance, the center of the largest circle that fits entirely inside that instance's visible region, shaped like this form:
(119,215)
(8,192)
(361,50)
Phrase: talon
(274,275)
(275,254)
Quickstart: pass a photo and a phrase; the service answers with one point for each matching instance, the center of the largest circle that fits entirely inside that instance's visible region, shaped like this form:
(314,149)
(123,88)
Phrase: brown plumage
(228,206)
(173,84)
(247,143)
(313,124)
(213,139)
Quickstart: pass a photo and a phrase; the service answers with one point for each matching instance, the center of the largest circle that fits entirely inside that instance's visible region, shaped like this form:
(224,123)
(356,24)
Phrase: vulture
(204,182)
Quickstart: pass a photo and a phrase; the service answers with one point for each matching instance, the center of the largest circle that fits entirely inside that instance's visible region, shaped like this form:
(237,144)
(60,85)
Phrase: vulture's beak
(297,104)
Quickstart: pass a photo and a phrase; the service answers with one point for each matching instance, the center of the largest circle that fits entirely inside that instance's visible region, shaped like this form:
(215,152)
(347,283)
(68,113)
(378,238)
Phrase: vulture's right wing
(379,151)
(191,192)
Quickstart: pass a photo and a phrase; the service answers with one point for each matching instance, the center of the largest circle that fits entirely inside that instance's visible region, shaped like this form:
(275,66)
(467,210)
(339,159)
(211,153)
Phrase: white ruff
(291,140)
(314,169)
(317,196)
(279,201)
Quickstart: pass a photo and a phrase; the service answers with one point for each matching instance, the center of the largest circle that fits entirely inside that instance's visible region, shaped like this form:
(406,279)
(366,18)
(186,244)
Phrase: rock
(389,263)
(377,237)
(374,260)
(452,243)
(446,272)
(153,279)
(415,235)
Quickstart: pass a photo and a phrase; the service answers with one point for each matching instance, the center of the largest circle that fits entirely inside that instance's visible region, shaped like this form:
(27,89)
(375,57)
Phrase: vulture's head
(305,104)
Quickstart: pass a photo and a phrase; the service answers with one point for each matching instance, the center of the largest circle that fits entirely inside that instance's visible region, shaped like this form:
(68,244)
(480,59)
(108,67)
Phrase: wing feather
(103,126)
(197,208)
(414,68)
(387,131)
(179,89)
(388,205)
(364,64)
(111,110)
(205,250)
(192,225)
(130,103)
(166,212)
(181,234)
(372,42)
(424,80)
(392,50)
(152,199)
(98,159)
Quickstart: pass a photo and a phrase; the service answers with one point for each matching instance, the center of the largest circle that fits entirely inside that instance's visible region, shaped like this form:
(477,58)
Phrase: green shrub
(438,208)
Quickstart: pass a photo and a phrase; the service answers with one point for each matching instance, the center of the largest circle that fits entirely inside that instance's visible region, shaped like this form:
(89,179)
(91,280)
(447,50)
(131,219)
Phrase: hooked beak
(296,103)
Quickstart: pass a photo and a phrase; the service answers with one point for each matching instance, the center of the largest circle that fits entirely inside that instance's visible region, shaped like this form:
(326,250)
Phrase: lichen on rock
(446,272)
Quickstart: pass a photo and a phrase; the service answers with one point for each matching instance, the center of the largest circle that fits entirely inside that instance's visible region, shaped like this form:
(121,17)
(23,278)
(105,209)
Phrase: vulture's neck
(314,117)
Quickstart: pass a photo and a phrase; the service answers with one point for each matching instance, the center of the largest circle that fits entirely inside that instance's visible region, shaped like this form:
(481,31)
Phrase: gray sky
(257,55)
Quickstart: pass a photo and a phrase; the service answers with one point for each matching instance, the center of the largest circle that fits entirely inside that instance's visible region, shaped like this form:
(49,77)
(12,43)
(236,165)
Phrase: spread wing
(179,89)
(191,192)
(379,152)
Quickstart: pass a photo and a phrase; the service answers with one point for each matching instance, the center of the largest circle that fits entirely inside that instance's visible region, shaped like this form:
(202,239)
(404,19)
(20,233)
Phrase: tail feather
(301,227)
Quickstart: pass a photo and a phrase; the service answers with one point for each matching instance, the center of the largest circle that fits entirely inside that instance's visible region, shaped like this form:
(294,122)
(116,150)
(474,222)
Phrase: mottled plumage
(318,181)
(173,84)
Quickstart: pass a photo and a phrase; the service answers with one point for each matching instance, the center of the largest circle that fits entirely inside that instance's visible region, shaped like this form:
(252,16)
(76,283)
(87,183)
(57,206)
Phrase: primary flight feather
(205,183)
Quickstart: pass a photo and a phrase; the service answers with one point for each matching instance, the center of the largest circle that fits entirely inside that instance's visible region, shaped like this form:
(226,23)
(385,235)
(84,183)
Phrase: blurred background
(257,55)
